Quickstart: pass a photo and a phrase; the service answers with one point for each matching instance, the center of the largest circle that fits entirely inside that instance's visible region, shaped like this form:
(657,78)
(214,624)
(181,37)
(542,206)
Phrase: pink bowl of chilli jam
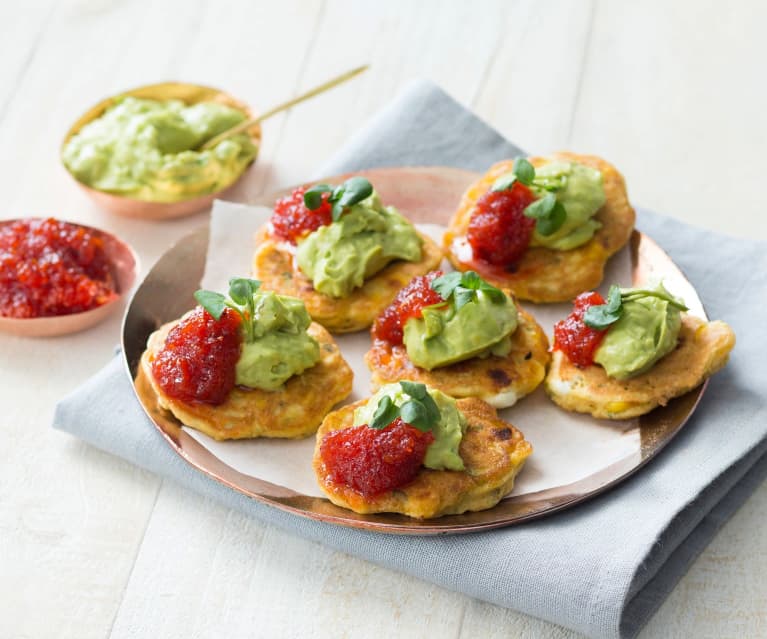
(57,277)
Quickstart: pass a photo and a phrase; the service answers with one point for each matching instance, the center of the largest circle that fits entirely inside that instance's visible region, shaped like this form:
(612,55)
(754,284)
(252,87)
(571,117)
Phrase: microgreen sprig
(240,300)
(463,288)
(601,316)
(420,410)
(351,192)
(522,171)
(549,214)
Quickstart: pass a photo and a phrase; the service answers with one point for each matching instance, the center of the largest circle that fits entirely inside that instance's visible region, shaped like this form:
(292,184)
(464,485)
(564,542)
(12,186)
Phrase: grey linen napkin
(602,568)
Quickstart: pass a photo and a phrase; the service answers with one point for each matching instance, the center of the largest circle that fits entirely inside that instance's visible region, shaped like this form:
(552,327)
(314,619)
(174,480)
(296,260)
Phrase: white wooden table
(672,93)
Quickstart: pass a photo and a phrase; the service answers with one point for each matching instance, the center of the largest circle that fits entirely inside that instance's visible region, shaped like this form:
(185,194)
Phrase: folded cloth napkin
(601,568)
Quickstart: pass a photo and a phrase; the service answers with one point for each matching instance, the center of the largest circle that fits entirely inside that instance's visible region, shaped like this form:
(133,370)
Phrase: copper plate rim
(657,428)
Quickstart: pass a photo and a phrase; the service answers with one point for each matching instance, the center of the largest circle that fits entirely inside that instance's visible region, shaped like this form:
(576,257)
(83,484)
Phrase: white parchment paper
(566,447)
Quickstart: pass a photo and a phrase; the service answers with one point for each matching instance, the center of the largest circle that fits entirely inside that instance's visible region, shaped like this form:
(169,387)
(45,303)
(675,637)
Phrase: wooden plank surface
(671,93)
(92,547)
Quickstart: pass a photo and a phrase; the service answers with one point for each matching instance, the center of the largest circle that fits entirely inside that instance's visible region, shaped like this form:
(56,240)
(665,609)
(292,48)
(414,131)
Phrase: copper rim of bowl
(132,207)
(125,263)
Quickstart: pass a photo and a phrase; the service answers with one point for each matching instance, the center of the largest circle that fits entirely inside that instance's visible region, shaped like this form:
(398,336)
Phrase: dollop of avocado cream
(143,149)
(646,331)
(442,453)
(281,348)
(340,256)
(445,335)
(579,189)
(453,332)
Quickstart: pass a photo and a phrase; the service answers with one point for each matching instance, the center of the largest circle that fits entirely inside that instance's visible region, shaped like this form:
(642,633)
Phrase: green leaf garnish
(213,302)
(635,294)
(240,300)
(386,412)
(471,280)
(551,222)
(524,171)
(355,190)
(445,284)
(548,213)
(414,389)
(504,183)
(463,296)
(463,287)
(419,392)
(241,289)
(413,413)
(313,196)
(542,207)
(601,316)
(351,192)
(420,411)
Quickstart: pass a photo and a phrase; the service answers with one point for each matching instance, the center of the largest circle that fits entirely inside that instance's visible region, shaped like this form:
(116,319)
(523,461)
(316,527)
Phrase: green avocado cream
(442,453)
(143,149)
(339,257)
(445,335)
(646,331)
(281,348)
(579,190)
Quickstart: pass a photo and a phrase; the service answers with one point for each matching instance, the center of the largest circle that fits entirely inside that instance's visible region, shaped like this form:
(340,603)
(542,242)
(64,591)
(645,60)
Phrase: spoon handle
(242,126)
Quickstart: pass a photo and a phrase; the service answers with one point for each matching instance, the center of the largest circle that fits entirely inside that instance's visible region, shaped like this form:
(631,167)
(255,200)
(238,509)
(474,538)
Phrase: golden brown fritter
(274,265)
(500,381)
(295,410)
(492,450)
(544,274)
(703,349)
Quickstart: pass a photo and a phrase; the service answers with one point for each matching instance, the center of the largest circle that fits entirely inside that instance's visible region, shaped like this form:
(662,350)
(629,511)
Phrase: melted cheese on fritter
(544,274)
(295,410)
(492,450)
(703,349)
(274,265)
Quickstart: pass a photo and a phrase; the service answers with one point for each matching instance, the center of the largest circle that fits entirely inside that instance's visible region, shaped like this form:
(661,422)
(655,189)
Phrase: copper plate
(427,194)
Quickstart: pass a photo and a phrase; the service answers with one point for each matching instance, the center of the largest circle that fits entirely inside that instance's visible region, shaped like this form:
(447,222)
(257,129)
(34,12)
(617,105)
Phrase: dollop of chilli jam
(292,220)
(409,302)
(499,232)
(372,461)
(573,337)
(197,362)
(49,267)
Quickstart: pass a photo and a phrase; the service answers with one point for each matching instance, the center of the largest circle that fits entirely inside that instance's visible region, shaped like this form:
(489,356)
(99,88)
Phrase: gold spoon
(242,126)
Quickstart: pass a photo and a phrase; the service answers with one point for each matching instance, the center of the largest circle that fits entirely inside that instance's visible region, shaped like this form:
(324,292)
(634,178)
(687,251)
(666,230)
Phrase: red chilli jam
(408,303)
(576,340)
(499,233)
(291,219)
(198,361)
(49,267)
(371,461)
